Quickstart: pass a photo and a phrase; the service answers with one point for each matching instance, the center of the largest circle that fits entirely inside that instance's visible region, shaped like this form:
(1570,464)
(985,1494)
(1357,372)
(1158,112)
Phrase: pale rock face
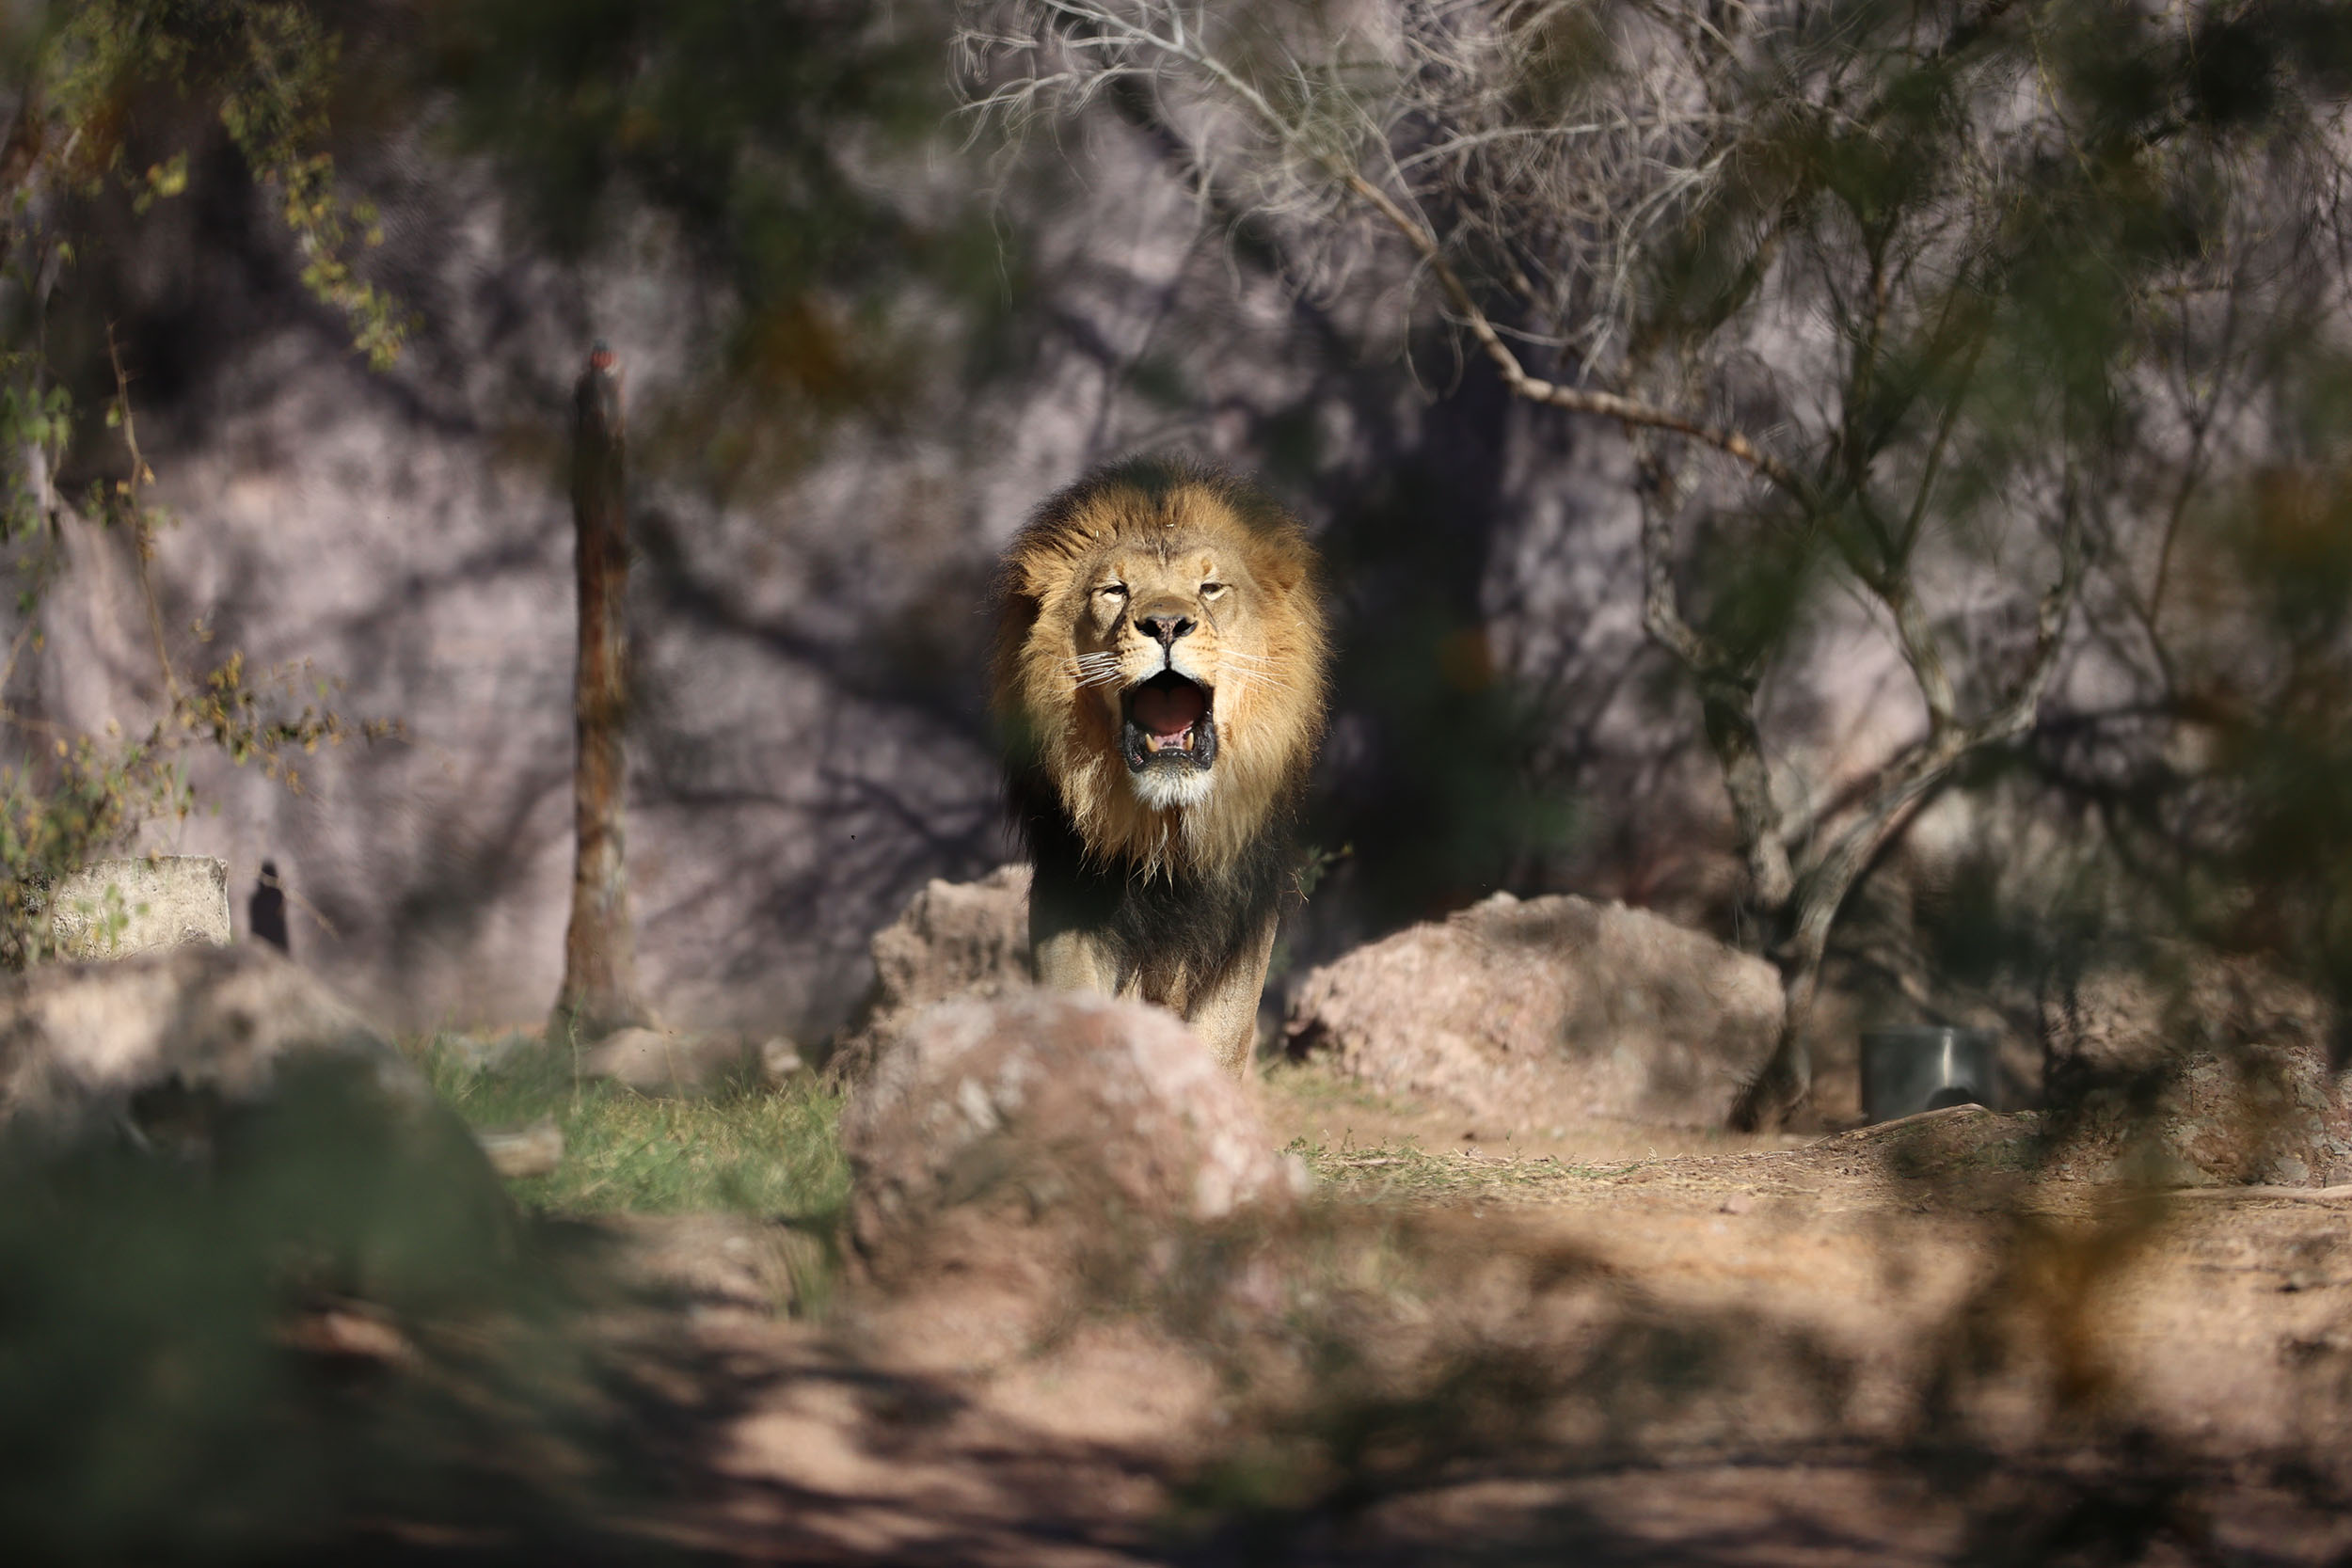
(111,909)
(215,1019)
(1552,1009)
(953,938)
(1070,1118)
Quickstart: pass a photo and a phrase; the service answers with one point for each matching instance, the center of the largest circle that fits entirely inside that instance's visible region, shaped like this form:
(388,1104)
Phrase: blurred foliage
(787,144)
(84,78)
(90,795)
(263,67)
(319,1325)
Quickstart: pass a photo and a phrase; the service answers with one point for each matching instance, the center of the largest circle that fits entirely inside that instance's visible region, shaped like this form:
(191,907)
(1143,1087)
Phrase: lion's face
(1166,629)
(1166,651)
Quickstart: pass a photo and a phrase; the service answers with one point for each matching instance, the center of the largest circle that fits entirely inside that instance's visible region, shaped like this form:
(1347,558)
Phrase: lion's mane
(1163,887)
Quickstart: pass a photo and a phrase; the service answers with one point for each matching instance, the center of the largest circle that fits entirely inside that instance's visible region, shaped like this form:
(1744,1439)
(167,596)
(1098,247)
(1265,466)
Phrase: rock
(1095,1119)
(2189,1068)
(180,1053)
(217,1021)
(111,909)
(953,938)
(1549,1010)
(524,1151)
(2126,1016)
(780,1061)
(2273,1114)
(664,1061)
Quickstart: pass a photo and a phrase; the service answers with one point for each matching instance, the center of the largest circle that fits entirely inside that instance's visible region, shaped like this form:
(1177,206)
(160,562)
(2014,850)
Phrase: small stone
(953,938)
(661,1061)
(534,1150)
(1738,1203)
(779,1059)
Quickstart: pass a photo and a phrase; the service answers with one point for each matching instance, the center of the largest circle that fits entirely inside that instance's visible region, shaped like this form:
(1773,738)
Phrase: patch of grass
(746,1148)
(1314,1083)
(1407,1172)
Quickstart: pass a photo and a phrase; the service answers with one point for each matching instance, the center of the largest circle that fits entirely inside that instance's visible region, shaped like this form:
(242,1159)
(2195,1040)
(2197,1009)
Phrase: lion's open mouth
(1168,724)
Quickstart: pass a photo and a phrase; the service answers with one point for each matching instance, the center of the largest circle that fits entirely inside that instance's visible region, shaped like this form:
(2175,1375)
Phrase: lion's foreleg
(1225,1012)
(1071,958)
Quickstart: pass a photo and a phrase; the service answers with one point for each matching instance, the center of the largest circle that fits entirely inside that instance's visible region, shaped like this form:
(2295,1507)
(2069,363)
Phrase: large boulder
(1527,1014)
(2179,1066)
(953,938)
(81,1038)
(2273,1114)
(178,1050)
(1072,1117)
(2123,1014)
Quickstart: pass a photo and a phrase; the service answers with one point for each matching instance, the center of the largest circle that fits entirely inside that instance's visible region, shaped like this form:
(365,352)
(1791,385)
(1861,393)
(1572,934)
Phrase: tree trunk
(600,991)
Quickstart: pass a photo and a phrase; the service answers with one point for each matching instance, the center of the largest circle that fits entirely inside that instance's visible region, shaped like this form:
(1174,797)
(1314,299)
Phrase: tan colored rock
(214,1020)
(165,1047)
(1092,1121)
(1550,1010)
(2272,1114)
(111,909)
(665,1061)
(520,1152)
(2179,999)
(953,938)
(780,1061)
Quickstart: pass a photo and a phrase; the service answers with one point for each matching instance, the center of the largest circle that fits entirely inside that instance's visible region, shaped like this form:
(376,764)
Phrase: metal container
(1926,1068)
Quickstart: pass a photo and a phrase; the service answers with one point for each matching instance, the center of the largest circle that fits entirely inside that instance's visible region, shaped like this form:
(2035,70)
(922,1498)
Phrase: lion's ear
(1042,572)
(1033,580)
(1286,571)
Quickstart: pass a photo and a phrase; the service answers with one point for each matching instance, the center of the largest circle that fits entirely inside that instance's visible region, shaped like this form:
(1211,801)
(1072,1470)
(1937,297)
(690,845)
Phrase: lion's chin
(1172,788)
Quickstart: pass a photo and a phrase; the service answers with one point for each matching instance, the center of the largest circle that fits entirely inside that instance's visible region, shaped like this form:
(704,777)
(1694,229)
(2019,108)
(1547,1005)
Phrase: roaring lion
(1159,681)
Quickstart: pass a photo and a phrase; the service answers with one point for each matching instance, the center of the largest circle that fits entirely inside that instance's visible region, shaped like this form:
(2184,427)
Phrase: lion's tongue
(1167,711)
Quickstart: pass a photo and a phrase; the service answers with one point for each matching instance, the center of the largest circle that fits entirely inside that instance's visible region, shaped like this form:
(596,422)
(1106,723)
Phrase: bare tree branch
(1576,400)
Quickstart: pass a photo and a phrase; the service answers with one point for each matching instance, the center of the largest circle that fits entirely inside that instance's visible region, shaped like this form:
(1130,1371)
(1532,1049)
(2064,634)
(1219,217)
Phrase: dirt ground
(1895,1345)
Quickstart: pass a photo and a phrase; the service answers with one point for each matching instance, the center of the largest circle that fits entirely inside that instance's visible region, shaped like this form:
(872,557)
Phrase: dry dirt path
(1891,1346)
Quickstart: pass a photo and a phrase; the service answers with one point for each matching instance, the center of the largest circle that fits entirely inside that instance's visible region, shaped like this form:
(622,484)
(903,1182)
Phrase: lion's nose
(1166,629)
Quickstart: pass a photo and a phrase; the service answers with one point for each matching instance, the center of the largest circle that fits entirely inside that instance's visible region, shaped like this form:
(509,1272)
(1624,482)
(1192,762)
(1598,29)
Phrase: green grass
(1315,1083)
(1407,1172)
(746,1148)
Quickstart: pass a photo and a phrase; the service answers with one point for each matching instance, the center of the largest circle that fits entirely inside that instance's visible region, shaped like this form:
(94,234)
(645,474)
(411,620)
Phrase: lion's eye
(1211,590)
(1112,591)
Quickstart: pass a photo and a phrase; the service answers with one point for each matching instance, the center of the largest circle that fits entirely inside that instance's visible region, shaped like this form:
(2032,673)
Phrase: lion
(1159,683)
